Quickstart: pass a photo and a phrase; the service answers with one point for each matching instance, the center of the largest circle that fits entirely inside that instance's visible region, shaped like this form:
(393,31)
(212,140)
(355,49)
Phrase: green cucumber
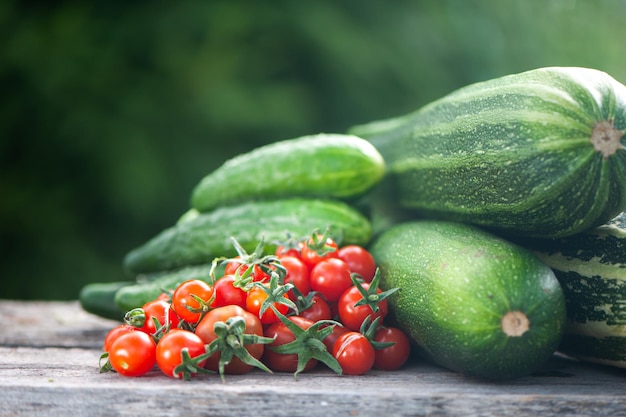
(591,268)
(322,166)
(540,153)
(191,213)
(208,235)
(470,301)
(99,298)
(151,286)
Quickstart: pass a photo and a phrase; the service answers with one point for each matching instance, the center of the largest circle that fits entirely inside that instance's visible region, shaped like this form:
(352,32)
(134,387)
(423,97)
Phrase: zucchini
(149,287)
(322,166)
(470,301)
(208,235)
(591,268)
(99,298)
(540,153)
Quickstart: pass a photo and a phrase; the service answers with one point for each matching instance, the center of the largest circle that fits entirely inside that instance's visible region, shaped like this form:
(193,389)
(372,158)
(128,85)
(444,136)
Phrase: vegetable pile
(451,221)
(311,301)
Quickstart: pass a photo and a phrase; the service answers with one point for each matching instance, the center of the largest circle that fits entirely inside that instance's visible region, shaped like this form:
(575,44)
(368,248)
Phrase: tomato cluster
(311,301)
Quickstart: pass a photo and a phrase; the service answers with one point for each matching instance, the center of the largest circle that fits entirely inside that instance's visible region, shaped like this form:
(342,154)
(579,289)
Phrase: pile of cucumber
(289,188)
(492,209)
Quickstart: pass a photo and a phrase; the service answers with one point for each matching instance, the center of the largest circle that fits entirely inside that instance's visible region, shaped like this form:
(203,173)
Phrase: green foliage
(112,111)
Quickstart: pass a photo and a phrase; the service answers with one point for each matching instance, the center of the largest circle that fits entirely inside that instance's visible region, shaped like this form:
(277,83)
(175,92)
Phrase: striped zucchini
(322,166)
(203,237)
(591,268)
(540,153)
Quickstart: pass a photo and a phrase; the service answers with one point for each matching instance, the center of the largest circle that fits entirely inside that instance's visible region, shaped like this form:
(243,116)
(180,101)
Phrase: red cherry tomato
(205,329)
(114,333)
(225,293)
(359,260)
(297,275)
(254,301)
(185,303)
(354,352)
(331,277)
(283,335)
(288,250)
(318,310)
(162,311)
(233,266)
(169,351)
(258,273)
(330,340)
(133,353)
(394,356)
(353,316)
(310,252)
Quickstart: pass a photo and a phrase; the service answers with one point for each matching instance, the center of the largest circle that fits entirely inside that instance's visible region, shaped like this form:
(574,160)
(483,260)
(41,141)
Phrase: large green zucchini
(591,268)
(540,153)
(471,302)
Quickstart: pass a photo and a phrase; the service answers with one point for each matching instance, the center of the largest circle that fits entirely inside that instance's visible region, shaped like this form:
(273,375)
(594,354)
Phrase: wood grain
(49,367)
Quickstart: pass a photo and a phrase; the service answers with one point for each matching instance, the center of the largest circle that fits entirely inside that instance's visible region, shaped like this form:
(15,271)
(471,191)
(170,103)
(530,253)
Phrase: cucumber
(540,153)
(191,213)
(208,235)
(470,301)
(591,268)
(150,287)
(323,166)
(99,298)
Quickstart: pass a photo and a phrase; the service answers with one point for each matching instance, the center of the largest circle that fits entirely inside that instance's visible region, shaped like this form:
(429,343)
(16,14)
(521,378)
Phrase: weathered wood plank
(55,373)
(66,380)
(51,323)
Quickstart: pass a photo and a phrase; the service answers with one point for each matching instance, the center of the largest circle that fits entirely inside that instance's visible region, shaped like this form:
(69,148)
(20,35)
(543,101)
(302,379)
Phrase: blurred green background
(111,112)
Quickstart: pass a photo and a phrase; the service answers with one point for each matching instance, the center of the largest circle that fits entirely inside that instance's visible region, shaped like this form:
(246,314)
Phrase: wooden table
(49,355)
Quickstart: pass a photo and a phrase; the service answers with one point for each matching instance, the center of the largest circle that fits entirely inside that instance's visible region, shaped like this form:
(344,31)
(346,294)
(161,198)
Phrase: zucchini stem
(515,323)
(606,139)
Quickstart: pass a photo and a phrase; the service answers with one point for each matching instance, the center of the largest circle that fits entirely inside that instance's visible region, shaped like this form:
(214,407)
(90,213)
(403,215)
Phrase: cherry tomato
(283,335)
(394,356)
(310,252)
(205,329)
(330,340)
(289,250)
(261,275)
(354,353)
(297,274)
(359,260)
(162,311)
(133,353)
(258,274)
(318,310)
(170,347)
(232,267)
(114,333)
(255,299)
(352,316)
(184,300)
(331,277)
(225,293)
